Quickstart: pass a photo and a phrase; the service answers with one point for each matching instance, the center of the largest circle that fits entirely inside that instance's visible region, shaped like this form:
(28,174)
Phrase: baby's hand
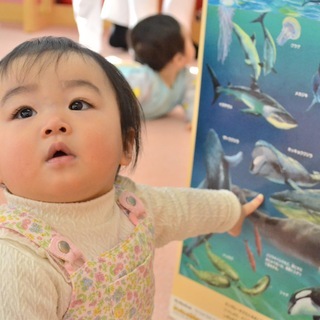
(247,209)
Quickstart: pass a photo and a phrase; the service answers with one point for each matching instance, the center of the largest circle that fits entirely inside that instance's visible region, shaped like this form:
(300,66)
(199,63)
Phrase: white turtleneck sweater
(31,288)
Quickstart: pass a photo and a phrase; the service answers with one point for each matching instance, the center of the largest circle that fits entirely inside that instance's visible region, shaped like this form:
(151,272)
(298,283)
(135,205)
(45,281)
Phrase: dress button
(131,200)
(64,246)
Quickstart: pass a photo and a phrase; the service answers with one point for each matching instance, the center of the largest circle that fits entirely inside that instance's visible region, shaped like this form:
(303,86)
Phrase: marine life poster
(257,132)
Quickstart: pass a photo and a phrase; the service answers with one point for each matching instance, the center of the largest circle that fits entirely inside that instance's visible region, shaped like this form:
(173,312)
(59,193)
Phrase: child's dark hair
(53,48)
(155,40)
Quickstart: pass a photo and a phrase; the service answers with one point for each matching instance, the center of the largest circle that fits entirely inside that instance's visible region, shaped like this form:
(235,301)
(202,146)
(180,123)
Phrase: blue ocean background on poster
(292,82)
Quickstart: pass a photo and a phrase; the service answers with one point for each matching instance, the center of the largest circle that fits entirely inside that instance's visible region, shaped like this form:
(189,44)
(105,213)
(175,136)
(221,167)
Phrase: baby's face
(60,133)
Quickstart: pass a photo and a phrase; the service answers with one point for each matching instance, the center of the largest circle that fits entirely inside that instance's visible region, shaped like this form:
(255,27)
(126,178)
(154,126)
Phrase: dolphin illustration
(259,103)
(217,176)
(269,47)
(315,89)
(250,50)
(298,204)
(275,166)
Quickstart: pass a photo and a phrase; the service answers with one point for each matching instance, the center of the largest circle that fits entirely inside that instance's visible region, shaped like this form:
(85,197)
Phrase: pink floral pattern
(119,284)
(24,224)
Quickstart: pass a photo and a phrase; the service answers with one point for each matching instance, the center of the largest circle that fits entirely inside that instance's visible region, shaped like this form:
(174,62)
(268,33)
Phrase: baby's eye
(23,113)
(79,105)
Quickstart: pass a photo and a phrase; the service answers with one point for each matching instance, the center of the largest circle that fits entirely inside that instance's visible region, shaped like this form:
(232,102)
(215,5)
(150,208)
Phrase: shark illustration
(315,89)
(277,167)
(298,204)
(269,47)
(260,104)
(249,47)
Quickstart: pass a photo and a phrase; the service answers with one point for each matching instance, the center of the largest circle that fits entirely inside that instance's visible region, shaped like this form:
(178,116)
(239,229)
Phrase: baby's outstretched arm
(247,209)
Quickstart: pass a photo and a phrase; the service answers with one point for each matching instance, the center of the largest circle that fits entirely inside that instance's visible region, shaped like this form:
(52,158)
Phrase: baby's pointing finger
(253,205)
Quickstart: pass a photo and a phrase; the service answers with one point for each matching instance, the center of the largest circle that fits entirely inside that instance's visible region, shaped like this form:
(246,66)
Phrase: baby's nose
(56,126)
(63,129)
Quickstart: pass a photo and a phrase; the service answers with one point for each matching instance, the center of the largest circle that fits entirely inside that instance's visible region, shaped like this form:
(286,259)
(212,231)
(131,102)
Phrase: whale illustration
(277,167)
(217,164)
(298,204)
(305,301)
(217,176)
(260,104)
(269,47)
(297,238)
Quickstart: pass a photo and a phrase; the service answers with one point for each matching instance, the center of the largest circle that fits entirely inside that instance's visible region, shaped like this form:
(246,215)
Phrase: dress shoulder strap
(38,232)
(131,205)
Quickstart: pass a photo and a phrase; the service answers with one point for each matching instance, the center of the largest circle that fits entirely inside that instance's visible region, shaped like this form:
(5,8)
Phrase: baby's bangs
(22,65)
(38,52)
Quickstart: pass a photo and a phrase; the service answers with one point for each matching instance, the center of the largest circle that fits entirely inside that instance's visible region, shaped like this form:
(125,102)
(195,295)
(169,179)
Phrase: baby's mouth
(59,154)
(58,150)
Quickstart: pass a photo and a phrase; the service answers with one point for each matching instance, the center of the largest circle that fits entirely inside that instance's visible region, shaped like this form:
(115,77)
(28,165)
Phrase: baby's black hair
(155,40)
(54,48)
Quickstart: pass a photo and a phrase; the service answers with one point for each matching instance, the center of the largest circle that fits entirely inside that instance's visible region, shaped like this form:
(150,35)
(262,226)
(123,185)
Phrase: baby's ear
(126,157)
(179,60)
(128,148)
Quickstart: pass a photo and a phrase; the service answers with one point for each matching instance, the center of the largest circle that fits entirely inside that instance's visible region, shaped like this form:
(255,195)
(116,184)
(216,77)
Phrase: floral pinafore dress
(118,284)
